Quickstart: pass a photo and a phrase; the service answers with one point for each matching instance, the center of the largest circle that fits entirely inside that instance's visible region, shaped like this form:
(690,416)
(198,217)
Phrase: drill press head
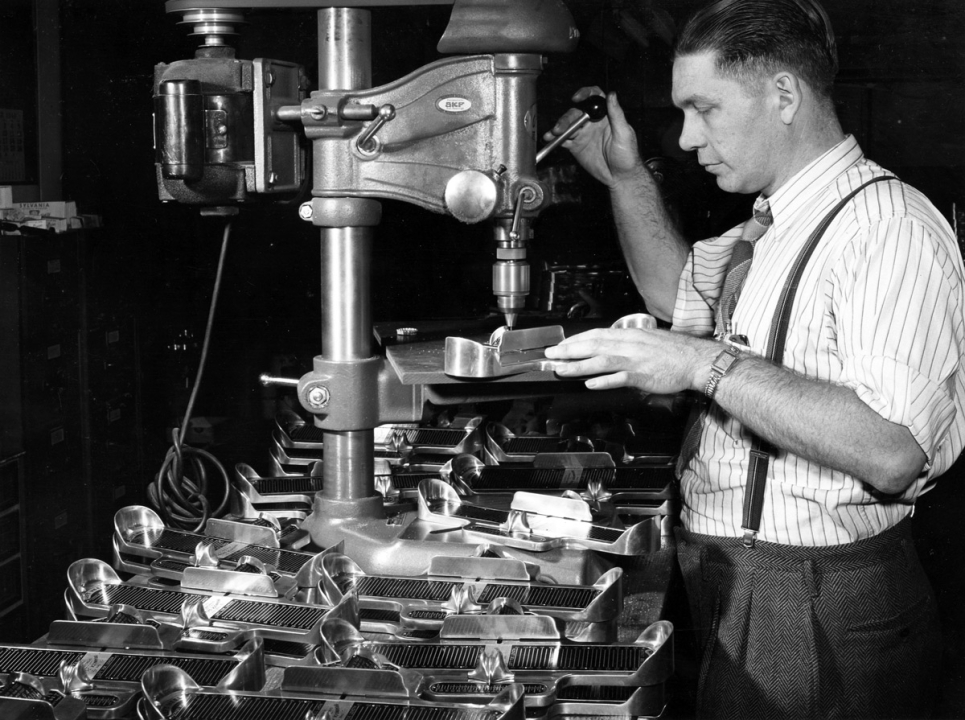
(518,33)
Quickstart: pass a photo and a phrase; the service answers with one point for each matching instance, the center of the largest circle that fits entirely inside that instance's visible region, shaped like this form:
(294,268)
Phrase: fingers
(571,115)
(608,382)
(615,111)
(620,341)
(584,92)
(563,124)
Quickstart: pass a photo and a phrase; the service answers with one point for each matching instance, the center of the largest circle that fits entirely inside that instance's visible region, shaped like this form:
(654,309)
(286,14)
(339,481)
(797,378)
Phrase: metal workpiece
(535,522)
(400,544)
(511,352)
(272,494)
(403,441)
(25,697)
(205,621)
(85,672)
(343,682)
(141,537)
(597,602)
(169,693)
(294,433)
(263,530)
(469,662)
(243,508)
(504,446)
(592,474)
(407,444)
(508,352)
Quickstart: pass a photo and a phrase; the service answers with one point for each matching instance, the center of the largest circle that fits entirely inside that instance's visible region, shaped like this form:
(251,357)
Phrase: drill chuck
(511,286)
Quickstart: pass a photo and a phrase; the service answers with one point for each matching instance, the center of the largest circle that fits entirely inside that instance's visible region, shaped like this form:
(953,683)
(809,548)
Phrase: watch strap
(722,364)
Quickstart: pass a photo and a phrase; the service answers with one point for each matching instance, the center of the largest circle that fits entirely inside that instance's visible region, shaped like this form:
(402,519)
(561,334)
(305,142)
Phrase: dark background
(901,91)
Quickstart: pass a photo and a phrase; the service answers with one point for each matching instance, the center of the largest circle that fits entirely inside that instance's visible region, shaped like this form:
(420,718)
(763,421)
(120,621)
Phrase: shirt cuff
(902,395)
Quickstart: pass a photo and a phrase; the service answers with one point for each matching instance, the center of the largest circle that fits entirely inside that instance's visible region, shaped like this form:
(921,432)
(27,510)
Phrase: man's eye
(703,110)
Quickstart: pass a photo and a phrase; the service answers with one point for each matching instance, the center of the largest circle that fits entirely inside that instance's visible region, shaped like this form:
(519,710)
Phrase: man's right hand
(606,149)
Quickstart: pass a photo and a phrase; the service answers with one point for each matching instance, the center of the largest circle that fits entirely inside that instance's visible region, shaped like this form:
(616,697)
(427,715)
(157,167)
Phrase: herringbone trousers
(849,631)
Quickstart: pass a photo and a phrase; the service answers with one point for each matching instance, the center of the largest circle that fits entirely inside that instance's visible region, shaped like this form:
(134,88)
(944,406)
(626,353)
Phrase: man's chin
(726,184)
(731,184)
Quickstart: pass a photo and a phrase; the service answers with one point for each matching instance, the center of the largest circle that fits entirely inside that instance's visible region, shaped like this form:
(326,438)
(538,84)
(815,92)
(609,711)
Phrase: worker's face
(734,129)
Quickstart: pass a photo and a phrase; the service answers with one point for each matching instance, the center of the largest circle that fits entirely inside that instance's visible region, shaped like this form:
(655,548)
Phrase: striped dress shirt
(879,310)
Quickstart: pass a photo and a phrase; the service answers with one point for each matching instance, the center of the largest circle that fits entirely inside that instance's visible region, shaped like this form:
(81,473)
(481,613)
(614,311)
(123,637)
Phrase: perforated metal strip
(288,485)
(246,707)
(540,595)
(532,445)
(384,711)
(129,668)
(300,617)
(435,657)
(405,588)
(35,662)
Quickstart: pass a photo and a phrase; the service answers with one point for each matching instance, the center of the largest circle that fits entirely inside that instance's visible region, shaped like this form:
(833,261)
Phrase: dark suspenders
(760,450)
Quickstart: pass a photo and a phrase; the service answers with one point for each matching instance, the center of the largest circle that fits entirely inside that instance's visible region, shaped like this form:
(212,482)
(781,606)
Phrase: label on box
(48,209)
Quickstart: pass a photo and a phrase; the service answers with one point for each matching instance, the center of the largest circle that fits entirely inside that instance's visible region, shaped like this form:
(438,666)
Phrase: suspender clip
(750,537)
(757,456)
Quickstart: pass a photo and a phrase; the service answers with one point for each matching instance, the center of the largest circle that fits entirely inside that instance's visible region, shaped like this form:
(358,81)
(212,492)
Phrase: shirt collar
(812,179)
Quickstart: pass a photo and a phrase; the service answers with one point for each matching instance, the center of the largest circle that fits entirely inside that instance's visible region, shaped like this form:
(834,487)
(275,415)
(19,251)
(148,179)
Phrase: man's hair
(755,37)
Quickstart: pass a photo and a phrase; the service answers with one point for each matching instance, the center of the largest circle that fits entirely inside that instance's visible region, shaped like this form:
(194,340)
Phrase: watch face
(725,359)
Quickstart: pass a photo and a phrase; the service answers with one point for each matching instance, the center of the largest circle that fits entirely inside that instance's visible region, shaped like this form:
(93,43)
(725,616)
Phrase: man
(811,602)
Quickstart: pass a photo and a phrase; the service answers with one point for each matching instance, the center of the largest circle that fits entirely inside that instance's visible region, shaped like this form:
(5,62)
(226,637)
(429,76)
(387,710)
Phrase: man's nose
(690,137)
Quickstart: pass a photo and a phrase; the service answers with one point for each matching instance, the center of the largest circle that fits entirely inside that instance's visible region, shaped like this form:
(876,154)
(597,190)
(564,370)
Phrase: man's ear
(790,93)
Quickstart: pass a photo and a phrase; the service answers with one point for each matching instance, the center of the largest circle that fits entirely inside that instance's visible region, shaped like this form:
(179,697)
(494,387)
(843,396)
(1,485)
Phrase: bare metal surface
(344,48)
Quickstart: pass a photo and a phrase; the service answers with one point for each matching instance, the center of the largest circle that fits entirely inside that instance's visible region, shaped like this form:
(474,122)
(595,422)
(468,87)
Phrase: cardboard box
(57,215)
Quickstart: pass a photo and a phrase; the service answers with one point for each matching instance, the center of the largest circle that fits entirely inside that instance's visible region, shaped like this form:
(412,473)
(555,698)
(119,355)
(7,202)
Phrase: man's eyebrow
(695,99)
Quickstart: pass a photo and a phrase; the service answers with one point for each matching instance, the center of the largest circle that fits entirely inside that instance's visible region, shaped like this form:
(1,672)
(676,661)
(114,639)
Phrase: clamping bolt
(318,396)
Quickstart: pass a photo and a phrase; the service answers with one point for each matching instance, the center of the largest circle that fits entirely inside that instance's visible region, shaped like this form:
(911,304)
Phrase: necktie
(739,264)
(737,268)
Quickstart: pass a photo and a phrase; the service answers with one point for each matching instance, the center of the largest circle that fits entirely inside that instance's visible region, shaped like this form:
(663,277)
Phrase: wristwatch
(721,366)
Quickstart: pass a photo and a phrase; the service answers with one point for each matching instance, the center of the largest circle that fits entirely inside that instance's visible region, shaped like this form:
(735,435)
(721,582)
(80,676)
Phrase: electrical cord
(181,490)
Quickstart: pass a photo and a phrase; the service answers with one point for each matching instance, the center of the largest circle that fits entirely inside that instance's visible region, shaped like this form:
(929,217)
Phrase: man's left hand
(655,361)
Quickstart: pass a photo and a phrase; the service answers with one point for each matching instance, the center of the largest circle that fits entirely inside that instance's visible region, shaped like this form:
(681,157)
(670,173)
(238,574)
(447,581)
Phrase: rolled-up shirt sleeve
(897,303)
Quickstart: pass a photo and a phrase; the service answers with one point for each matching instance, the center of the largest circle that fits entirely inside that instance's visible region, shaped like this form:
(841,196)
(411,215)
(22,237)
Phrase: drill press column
(344,61)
